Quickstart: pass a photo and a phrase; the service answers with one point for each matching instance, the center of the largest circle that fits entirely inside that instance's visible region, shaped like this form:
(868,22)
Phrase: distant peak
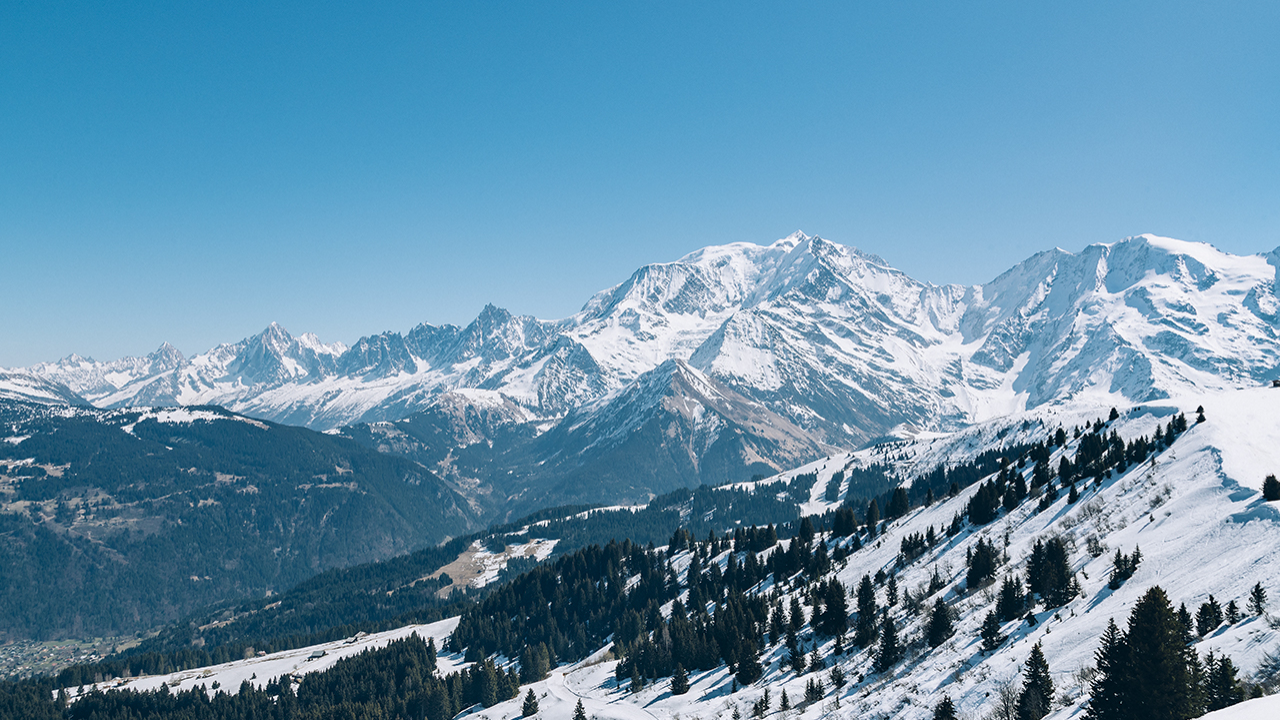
(792,240)
(493,312)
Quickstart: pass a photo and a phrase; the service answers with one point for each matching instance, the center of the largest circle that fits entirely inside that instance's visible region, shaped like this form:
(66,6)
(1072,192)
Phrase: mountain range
(737,360)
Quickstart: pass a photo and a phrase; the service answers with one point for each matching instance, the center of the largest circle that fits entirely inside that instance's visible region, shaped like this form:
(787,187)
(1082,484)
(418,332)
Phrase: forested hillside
(116,521)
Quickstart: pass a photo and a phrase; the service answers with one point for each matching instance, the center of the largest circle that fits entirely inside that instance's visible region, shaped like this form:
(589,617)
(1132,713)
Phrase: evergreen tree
(946,710)
(982,561)
(679,681)
(1233,613)
(534,663)
(940,626)
(796,659)
(1012,600)
(1208,617)
(784,703)
(796,615)
(1049,575)
(488,681)
(1161,679)
(530,707)
(992,638)
(865,628)
(873,517)
(835,615)
(637,680)
(579,712)
(889,652)
(1222,689)
(749,669)
(899,504)
(837,676)
(1258,599)
(1037,688)
(1187,624)
(1110,688)
(1271,489)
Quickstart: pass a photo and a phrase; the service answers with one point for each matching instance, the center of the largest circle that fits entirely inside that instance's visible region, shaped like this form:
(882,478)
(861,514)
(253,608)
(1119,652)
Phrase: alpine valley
(782,481)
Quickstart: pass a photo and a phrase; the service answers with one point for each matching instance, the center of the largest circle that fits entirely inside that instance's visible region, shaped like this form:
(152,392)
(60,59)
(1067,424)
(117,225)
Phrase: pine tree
(992,638)
(488,678)
(1110,689)
(1208,617)
(940,626)
(796,615)
(679,681)
(946,710)
(982,562)
(835,615)
(889,652)
(837,676)
(1159,658)
(579,712)
(796,659)
(1187,624)
(749,669)
(1258,600)
(530,707)
(814,690)
(1012,600)
(784,703)
(1037,688)
(637,680)
(1233,613)
(1271,489)
(899,504)
(873,517)
(865,629)
(1222,688)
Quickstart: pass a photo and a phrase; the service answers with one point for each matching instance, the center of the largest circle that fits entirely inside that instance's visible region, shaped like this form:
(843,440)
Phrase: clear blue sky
(190,172)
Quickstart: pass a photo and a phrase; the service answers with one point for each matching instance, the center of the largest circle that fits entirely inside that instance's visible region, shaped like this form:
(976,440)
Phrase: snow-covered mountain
(834,342)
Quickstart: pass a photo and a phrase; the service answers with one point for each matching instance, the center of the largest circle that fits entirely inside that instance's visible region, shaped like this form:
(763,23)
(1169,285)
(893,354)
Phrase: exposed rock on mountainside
(834,343)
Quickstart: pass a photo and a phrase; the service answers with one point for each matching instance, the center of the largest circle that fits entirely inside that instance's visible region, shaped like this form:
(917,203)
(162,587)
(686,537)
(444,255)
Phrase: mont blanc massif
(783,481)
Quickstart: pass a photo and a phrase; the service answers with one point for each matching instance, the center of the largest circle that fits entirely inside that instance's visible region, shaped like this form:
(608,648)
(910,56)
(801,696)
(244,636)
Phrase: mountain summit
(834,343)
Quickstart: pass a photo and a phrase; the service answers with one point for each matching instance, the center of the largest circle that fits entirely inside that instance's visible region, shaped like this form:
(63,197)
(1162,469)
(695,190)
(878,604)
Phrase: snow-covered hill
(835,343)
(1193,508)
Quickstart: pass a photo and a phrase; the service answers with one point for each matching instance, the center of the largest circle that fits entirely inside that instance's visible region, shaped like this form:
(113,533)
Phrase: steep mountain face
(833,342)
(29,387)
(673,427)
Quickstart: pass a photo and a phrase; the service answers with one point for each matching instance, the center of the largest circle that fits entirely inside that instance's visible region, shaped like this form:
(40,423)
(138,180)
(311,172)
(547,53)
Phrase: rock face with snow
(833,345)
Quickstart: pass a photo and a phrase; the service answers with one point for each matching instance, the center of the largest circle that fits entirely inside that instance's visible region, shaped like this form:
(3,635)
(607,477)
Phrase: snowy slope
(1194,510)
(30,387)
(258,671)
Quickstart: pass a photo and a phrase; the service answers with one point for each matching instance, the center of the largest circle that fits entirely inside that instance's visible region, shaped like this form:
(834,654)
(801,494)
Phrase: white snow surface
(261,670)
(1264,708)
